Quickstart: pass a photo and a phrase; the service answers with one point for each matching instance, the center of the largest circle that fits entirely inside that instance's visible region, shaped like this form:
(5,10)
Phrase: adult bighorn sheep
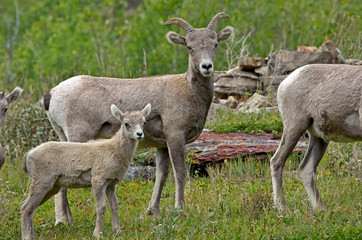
(78,108)
(326,101)
(99,164)
(4,103)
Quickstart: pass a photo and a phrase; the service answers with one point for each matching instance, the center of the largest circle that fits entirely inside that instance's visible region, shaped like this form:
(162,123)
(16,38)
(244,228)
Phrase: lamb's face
(133,125)
(132,122)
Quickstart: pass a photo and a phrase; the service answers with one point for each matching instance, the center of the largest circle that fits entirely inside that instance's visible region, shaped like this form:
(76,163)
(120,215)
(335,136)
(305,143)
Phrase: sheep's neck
(126,146)
(200,85)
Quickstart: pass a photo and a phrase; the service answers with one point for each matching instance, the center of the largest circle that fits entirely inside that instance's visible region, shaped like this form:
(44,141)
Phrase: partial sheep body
(326,101)
(180,103)
(5,101)
(99,164)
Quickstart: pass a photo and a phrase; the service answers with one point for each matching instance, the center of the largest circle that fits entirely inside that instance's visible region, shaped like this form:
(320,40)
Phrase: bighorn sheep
(99,164)
(180,103)
(326,101)
(4,103)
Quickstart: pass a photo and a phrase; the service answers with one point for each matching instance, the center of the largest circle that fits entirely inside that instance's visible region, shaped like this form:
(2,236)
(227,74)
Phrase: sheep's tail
(24,164)
(46,100)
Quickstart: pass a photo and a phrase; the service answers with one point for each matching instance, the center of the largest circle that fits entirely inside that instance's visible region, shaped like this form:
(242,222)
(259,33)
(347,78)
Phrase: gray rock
(143,172)
(285,61)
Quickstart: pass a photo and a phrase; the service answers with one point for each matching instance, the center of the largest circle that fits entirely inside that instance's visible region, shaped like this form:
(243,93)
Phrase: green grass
(227,120)
(235,202)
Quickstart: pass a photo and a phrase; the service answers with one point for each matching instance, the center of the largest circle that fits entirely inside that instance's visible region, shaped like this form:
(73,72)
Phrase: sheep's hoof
(117,230)
(153,212)
(97,234)
(282,208)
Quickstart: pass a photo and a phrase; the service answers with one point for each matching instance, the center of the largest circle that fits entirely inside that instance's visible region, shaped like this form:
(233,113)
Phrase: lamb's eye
(127,125)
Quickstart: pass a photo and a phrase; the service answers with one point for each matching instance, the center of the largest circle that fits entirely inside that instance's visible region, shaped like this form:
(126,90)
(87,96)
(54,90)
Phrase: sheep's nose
(139,135)
(206,66)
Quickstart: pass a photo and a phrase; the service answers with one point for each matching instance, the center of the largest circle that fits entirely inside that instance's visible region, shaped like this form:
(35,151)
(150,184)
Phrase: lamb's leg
(62,209)
(307,169)
(99,191)
(113,204)
(162,165)
(289,139)
(176,149)
(38,191)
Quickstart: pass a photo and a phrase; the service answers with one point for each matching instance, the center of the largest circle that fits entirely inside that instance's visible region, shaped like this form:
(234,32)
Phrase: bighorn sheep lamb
(326,101)
(180,103)
(4,103)
(99,164)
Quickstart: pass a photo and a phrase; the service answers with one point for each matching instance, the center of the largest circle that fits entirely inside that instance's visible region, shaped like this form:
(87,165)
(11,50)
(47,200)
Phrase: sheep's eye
(5,110)
(144,123)
(215,46)
(127,125)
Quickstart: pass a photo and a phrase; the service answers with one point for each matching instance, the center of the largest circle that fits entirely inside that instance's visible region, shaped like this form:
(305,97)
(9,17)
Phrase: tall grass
(235,202)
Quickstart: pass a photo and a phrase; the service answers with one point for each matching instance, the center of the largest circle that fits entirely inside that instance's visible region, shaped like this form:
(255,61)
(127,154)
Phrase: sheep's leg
(289,139)
(62,209)
(113,204)
(49,194)
(176,148)
(38,192)
(99,191)
(162,169)
(307,169)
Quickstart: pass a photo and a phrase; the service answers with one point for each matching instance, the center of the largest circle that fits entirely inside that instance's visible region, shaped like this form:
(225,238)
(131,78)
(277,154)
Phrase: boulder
(250,63)
(255,103)
(286,61)
(236,83)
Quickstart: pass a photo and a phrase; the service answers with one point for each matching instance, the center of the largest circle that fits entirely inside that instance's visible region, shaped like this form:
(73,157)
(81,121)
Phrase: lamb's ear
(147,110)
(175,38)
(225,34)
(15,94)
(116,112)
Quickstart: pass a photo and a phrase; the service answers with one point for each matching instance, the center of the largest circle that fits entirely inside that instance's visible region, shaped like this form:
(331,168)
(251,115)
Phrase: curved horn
(215,20)
(180,22)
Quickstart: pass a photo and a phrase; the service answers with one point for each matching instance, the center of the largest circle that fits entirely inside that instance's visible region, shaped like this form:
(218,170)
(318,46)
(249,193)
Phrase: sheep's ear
(175,38)
(116,112)
(147,110)
(15,94)
(225,34)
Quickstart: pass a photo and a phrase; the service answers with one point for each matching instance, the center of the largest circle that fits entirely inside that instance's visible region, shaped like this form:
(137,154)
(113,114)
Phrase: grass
(235,202)
(262,122)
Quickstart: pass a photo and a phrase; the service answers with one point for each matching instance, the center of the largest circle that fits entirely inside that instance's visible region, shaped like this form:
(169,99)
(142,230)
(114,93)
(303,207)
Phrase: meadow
(234,202)
(44,42)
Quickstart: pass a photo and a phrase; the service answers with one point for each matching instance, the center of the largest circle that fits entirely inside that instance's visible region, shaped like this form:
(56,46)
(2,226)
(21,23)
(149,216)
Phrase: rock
(353,61)
(262,70)
(286,61)
(236,83)
(329,46)
(307,49)
(271,83)
(254,103)
(211,117)
(231,102)
(144,172)
(249,63)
